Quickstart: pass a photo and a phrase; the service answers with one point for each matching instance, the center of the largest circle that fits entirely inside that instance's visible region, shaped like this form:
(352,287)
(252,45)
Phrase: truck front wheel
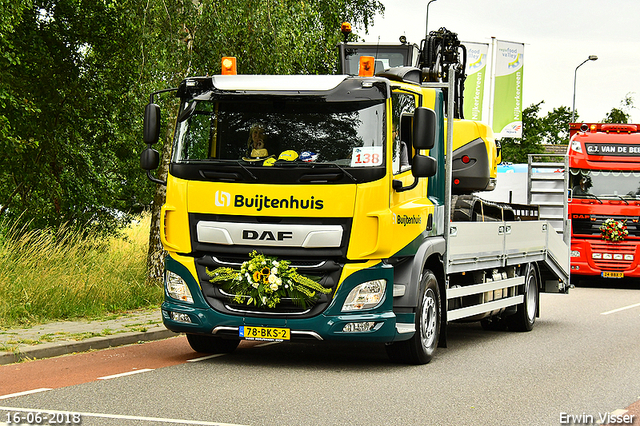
(421,347)
(211,344)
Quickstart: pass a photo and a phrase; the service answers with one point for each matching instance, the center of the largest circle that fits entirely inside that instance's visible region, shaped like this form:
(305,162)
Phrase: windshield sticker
(368,156)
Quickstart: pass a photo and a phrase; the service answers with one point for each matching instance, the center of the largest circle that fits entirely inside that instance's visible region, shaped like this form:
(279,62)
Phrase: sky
(558,36)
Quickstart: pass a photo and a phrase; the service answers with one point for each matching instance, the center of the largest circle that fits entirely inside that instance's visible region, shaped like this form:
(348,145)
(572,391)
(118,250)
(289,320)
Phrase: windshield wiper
(625,201)
(593,196)
(343,170)
(247,170)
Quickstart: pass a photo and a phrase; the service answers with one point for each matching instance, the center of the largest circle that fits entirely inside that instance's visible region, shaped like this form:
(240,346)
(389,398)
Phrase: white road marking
(202,358)
(119,416)
(13,395)
(128,373)
(620,309)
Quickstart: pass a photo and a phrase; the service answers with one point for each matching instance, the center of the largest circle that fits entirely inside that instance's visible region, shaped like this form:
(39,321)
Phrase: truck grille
(591,226)
(614,248)
(218,299)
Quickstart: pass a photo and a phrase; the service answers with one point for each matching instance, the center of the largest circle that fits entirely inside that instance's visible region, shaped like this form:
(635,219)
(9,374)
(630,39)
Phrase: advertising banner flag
(474,84)
(507,95)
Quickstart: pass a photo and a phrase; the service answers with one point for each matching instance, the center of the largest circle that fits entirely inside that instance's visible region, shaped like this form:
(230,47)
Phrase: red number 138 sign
(368,156)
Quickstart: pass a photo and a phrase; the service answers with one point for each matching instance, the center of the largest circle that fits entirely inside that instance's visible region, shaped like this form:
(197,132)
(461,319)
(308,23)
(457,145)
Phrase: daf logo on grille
(248,234)
(270,234)
(581,216)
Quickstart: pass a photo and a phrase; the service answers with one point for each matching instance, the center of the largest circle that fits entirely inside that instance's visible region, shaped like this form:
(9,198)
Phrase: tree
(69,140)
(12,14)
(555,126)
(622,114)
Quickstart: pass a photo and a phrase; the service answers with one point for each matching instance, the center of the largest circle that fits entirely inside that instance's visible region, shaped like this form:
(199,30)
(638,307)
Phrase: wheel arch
(428,256)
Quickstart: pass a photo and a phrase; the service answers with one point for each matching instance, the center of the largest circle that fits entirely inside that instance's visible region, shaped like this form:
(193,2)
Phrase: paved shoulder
(64,337)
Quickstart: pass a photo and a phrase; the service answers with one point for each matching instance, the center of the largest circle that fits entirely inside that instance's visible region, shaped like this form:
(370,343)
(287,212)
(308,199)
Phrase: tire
(421,347)
(211,344)
(525,317)
(462,208)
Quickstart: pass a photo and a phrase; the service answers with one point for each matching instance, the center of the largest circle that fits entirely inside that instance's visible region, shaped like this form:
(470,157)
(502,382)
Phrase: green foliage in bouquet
(264,281)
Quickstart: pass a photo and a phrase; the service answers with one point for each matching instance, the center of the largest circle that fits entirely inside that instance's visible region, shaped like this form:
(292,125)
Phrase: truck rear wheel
(421,347)
(211,344)
(525,316)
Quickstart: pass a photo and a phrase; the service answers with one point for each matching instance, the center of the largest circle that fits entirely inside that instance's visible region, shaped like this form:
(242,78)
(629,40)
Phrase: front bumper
(621,257)
(201,318)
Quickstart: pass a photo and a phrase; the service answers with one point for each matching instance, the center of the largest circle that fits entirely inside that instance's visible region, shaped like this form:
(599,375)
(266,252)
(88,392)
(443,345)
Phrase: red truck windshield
(605,184)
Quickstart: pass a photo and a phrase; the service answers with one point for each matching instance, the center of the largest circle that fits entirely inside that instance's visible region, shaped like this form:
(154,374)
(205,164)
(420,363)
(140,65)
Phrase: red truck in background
(604,200)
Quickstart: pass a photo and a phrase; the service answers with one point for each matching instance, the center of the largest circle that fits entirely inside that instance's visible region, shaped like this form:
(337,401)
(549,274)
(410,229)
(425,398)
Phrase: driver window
(404,105)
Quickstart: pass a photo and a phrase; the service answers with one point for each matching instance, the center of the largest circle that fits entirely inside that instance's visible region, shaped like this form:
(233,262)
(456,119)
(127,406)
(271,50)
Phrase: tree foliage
(622,114)
(69,145)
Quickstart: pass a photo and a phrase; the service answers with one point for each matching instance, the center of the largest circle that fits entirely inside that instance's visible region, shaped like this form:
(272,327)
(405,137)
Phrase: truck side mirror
(149,159)
(151,124)
(424,166)
(424,128)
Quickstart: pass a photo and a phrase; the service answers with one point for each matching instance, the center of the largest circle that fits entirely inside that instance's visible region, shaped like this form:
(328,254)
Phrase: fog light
(617,256)
(358,327)
(365,296)
(628,257)
(607,256)
(575,253)
(597,255)
(180,317)
(176,287)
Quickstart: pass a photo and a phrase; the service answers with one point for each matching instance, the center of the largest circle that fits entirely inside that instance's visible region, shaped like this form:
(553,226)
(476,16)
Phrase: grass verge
(53,275)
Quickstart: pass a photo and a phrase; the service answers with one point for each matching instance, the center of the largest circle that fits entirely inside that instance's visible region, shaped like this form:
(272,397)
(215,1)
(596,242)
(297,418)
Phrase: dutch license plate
(608,274)
(264,333)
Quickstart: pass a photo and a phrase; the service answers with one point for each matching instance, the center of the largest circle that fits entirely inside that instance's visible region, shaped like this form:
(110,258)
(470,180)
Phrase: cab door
(412,211)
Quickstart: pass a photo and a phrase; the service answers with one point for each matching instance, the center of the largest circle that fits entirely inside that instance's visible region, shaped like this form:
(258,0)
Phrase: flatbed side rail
(485,245)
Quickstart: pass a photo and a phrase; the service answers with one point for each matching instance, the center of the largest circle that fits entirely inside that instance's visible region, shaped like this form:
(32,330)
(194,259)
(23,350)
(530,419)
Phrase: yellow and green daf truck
(319,207)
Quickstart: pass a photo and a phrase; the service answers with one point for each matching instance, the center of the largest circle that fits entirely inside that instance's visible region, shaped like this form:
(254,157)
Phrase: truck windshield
(279,131)
(605,184)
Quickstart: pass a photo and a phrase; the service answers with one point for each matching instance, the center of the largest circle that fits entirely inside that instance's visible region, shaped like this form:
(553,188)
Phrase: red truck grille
(617,248)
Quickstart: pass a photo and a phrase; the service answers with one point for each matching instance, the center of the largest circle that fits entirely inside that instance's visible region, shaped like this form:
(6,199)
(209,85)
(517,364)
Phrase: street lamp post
(575,74)
(426,25)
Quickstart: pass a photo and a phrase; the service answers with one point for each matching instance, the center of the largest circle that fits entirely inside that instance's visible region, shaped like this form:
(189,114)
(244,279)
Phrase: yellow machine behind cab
(476,156)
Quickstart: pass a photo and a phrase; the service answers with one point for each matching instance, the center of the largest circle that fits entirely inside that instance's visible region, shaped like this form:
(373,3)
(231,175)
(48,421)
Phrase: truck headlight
(575,145)
(365,296)
(575,253)
(176,287)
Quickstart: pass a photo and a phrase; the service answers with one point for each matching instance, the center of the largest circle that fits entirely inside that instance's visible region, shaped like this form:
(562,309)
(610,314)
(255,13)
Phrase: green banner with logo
(507,98)
(477,55)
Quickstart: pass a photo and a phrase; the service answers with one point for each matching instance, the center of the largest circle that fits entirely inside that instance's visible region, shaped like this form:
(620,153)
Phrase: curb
(49,350)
